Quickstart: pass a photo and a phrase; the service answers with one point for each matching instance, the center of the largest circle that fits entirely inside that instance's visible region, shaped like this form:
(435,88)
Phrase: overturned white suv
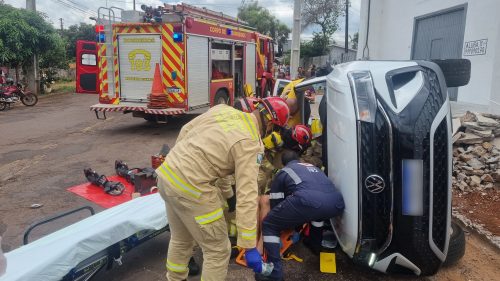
(388,141)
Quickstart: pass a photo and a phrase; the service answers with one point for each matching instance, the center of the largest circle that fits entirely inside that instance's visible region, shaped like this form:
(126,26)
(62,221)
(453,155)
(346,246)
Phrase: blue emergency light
(229,31)
(173,75)
(100,38)
(177,37)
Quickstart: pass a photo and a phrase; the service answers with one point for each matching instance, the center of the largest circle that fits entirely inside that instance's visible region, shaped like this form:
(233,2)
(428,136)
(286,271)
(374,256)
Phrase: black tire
(221,97)
(3,106)
(456,248)
(29,99)
(155,118)
(456,71)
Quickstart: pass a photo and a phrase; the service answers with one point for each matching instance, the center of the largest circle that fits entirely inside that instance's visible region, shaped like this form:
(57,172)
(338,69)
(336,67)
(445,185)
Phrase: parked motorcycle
(11,94)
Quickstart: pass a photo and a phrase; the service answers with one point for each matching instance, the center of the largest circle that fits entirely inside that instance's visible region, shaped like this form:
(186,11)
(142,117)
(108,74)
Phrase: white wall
(391,34)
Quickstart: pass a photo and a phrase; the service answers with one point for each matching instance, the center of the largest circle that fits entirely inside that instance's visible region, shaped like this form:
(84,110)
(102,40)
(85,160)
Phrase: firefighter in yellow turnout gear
(216,144)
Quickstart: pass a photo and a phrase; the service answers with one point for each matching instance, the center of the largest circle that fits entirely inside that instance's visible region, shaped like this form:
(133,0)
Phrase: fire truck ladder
(106,17)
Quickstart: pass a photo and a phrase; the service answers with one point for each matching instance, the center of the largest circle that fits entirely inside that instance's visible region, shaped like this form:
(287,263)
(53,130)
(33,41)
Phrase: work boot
(314,247)
(194,268)
(260,277)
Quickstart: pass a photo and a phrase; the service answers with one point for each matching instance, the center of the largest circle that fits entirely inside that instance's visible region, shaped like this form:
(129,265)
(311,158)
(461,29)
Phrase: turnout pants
(196,222)
(294,211)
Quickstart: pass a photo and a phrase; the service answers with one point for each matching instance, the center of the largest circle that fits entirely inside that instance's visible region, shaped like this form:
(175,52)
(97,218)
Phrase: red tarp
(97,195)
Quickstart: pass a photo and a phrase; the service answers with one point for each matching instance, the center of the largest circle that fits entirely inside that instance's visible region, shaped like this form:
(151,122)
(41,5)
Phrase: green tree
(318,46)
(25,33)
(325,14)
(354,40)
(76,32)
(264,22)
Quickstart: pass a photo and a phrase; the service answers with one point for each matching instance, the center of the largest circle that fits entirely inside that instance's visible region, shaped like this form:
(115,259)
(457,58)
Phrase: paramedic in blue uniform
(300,193)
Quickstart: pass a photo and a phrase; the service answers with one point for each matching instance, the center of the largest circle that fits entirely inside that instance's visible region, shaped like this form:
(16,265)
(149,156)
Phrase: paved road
(45,149)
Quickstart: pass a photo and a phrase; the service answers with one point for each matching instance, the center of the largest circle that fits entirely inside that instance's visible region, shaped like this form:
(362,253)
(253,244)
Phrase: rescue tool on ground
(239,61)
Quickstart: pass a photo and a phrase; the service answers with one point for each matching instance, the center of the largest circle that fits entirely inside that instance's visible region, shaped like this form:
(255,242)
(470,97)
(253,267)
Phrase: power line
(75,7)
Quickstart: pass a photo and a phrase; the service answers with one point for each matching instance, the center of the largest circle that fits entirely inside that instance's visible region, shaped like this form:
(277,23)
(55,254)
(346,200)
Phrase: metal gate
(440,35)
(198,71)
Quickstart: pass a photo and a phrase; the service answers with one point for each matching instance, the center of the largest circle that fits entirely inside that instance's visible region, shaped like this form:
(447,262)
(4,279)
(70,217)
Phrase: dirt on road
(45,149)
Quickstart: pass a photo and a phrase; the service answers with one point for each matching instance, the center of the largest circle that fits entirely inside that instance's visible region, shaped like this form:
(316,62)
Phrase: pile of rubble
(476,159)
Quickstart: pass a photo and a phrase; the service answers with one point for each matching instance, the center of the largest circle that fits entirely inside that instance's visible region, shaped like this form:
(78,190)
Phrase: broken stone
(485,121)
(475,181)
(481,133)
(461,150)
(496,175)
(479,150)
(477,172)
(488,186)
(492,160)
(475,164)
(468,117)
(472,125)
(461,177)
(487,178)
(491,115)
(496,132)
(488,146)
(493,167)
(471,139)
(466,157)
(457,136)
(467,168)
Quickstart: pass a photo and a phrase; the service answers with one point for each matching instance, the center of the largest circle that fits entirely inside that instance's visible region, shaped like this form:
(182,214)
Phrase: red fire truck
(205,57)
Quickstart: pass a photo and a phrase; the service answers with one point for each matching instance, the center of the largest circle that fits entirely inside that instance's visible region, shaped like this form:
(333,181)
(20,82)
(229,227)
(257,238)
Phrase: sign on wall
(477,47)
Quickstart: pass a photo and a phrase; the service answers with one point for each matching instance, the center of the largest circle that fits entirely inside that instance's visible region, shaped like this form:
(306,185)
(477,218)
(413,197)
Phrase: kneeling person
(315,198)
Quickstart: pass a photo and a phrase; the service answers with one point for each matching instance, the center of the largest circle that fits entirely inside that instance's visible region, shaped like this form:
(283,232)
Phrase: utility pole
(62,26)
(134,5)
(295,55)
(346,27)
(33,78)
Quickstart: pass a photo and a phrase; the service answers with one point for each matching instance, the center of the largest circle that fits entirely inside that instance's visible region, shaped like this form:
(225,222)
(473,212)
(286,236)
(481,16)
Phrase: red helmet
(246,104)
(301,134)
(277,109)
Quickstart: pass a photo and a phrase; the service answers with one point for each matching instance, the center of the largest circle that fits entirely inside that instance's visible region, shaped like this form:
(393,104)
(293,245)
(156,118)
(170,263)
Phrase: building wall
(391,34)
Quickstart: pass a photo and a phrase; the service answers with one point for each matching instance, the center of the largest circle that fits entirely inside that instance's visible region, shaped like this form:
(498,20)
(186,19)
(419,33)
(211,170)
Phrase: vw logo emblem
(374,184)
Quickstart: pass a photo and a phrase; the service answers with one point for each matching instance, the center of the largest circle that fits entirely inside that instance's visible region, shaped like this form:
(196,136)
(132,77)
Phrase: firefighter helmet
(301,134)
(277,110)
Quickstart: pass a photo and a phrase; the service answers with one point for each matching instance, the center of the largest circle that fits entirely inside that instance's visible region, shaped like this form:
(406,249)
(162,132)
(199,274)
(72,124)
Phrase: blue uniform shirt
(303,180)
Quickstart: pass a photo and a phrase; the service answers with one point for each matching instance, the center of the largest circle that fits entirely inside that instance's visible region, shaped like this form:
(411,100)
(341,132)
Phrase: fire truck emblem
(140,60)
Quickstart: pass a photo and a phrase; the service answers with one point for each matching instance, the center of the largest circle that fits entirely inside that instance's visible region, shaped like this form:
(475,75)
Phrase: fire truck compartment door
(138,55)
(250,63)
(198,71)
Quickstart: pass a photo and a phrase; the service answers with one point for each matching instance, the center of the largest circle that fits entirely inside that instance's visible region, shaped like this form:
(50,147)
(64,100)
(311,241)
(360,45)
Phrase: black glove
(231,202)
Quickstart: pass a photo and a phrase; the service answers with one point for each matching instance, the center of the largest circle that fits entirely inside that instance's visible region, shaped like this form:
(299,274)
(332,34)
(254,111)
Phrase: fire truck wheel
(221,97)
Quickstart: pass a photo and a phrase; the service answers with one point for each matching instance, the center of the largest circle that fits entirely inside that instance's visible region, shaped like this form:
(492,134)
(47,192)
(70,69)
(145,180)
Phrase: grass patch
(60,87)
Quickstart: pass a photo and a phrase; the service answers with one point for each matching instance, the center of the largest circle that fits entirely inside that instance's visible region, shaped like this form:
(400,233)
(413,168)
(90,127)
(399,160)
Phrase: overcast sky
(75,11)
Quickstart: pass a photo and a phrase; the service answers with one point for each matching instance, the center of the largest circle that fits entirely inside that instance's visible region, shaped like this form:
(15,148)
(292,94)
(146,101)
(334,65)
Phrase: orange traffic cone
(157,99)
(157,89)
